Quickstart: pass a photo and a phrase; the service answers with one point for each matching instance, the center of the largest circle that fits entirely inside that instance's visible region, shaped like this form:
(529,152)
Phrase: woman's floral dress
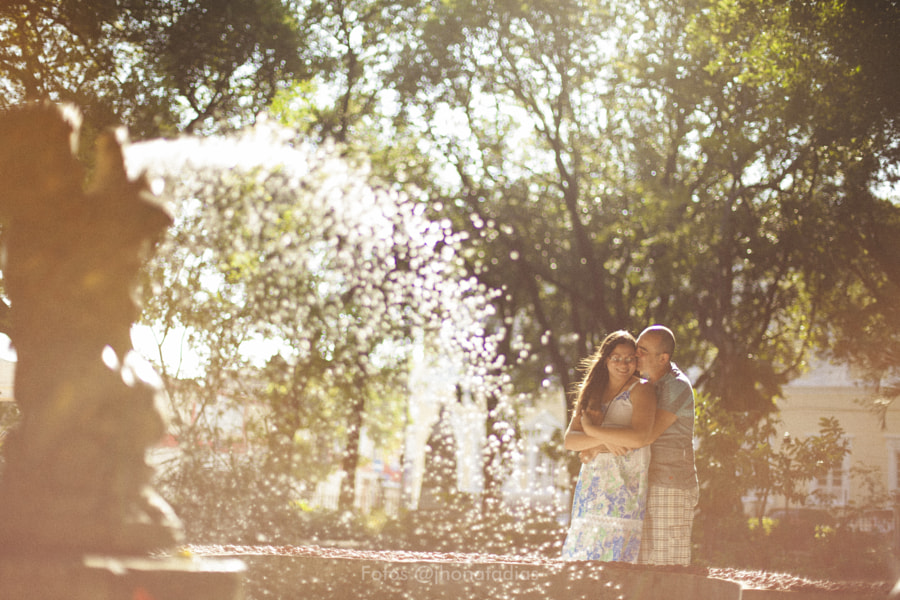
(609,501)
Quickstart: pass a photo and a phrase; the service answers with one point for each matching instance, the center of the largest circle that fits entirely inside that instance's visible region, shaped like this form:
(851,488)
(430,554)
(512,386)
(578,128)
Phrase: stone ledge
(330,578)
(340,578)
(749,594)
(120,578)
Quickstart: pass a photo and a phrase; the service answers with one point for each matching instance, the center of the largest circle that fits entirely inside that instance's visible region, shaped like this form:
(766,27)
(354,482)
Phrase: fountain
(80,519)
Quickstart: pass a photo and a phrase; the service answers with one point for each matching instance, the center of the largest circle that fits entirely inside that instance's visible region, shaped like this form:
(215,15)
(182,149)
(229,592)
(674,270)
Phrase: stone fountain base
(95,577)
(329,573)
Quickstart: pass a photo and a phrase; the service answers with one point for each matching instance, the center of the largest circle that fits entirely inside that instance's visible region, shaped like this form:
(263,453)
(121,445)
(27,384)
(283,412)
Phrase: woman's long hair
(596,374)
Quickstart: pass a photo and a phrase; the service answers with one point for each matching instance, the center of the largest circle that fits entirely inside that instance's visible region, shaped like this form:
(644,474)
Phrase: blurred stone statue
(76,479)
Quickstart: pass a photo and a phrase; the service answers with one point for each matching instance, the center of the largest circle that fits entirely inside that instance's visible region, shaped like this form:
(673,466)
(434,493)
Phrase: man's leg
(666,537)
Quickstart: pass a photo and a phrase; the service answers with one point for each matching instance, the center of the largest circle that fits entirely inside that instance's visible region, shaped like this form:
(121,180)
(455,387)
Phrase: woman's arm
(637,435)
(576,438)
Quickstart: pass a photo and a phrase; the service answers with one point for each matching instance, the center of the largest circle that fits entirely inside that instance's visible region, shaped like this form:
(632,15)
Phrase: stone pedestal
(79,519)
(95,577)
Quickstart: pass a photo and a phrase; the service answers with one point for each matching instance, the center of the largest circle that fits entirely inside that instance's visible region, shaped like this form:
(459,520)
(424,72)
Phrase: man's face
(648,355)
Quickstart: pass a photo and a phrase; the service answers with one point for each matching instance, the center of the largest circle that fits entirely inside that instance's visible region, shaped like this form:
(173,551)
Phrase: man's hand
(617,450)
(588,455)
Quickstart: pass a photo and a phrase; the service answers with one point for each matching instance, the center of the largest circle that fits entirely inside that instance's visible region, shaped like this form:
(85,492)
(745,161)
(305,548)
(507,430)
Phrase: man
(674,490)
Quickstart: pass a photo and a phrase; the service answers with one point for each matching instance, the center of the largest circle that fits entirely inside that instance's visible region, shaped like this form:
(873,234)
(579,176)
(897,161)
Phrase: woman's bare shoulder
(644,387)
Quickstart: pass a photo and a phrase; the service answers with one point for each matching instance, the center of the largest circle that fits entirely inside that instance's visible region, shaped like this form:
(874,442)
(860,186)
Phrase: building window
(830,485)
(896,477)
(833,487)
(832,479)
(893,472)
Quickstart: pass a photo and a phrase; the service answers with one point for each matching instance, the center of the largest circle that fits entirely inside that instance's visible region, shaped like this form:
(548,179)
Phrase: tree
(300,250)
(858,110)
(225,60)
(355,47)
(615,166)
(509,79)
(741,454)
(698,163)
(705,193)
(439,480)
(157,66)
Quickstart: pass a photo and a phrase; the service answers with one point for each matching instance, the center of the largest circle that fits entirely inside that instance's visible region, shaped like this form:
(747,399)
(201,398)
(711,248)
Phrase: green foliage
(299,289)
(739,454)
(613,165)
(724,167)
(157,66)
(799,460)
(225,57)
(227,498)
(834,552)
(296,106)
(233,498)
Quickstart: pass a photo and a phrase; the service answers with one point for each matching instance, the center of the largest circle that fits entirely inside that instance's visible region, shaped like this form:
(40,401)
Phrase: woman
(614,408)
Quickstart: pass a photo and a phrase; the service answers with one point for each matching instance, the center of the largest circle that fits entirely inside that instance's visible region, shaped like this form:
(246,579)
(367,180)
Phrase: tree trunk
(351,457)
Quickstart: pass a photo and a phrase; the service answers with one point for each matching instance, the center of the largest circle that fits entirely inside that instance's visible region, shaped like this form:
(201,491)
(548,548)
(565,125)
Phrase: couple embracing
(633,426)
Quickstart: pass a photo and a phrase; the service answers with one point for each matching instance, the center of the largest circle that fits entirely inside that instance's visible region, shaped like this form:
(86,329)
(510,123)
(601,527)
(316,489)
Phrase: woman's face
(622,362)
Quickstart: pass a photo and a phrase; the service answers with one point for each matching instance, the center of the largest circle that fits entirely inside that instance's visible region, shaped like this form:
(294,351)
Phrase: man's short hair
(665,337)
